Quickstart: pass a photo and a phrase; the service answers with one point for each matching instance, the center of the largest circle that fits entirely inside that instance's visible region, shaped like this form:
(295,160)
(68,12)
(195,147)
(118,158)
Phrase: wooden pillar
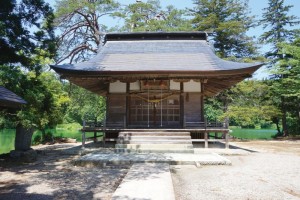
(127,115)
(107,110)
(83,134)
(104,132)
(226,140)
(206,139)
(182,117)
(202,101)
(95,132)
(124,121)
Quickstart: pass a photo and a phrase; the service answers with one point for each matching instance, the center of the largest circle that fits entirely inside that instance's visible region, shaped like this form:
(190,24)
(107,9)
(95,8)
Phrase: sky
(255,7)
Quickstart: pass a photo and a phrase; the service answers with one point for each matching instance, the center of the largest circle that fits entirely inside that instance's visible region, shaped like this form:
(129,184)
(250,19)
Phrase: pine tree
(81,27)
(149,16)
(278,22)
(227,21)
(288,86)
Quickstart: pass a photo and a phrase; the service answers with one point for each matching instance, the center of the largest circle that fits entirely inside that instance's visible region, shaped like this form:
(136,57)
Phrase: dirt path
(53,176)
(271,172)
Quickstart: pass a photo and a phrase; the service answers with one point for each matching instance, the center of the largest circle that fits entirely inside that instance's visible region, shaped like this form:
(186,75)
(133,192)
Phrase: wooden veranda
(200,132)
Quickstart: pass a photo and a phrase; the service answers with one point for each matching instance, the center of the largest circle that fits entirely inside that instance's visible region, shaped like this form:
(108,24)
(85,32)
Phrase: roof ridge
(195,35)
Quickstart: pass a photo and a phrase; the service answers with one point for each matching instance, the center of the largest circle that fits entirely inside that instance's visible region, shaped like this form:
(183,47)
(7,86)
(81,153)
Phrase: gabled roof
(156,55)
(9,99)
(144,52)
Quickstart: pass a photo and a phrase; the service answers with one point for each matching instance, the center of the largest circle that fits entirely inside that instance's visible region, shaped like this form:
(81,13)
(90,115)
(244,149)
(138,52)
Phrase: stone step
(143,141)
(154,150)
(153,146)
(123,133)
(154,142)
(155,137)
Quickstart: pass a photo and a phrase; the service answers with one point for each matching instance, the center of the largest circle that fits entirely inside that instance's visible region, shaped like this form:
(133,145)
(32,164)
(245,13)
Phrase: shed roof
(9,99)
(176,54)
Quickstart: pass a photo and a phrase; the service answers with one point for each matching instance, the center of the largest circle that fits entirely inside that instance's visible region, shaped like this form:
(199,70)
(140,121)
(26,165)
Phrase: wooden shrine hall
(157,80)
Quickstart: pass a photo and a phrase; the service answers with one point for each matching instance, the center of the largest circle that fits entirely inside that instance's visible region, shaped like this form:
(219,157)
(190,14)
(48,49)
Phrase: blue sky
(255,7)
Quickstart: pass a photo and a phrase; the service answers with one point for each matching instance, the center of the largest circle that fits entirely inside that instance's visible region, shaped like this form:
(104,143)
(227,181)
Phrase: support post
(206,140)
(103,139)
(124,125)
(83,134)
(226,140)
(202,101)
(95,132)
(104,132)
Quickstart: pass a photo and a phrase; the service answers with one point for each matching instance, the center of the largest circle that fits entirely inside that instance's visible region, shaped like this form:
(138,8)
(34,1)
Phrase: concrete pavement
(103,159)
(147,181)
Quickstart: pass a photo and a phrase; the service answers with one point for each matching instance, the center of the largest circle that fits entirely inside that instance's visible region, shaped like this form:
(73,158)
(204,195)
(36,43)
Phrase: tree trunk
(23,138)
(284,124)
(43,135)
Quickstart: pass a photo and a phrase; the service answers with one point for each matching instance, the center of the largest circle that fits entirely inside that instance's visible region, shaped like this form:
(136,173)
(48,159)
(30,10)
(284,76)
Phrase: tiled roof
(9,99)
(147,55)
(129,57)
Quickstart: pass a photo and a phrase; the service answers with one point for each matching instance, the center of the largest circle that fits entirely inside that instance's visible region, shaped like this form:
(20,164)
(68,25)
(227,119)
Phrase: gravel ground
(271,172)
(53,176)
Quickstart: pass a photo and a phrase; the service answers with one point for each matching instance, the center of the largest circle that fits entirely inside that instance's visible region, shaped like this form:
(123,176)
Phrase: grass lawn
(7,136)
(253,134)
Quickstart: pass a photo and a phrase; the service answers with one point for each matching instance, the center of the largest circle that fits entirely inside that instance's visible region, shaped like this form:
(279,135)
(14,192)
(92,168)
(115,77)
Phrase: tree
(27,38)
(227,22)
(81,30)
(83,105)
(44,95)
(288,86)
(149,16)
(19,40)
(277,21)
(251,104)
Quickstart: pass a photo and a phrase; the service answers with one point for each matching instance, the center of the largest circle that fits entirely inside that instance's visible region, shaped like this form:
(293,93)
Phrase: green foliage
(25,28)
(287,85)
(283,59)
(37,139)
(227,21)
(149,16)
(69,126)
(288,69)
(249,104)
(212,109)
(84,105)
(43,94)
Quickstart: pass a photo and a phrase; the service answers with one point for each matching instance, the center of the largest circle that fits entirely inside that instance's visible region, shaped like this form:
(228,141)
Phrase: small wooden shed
(8,99)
